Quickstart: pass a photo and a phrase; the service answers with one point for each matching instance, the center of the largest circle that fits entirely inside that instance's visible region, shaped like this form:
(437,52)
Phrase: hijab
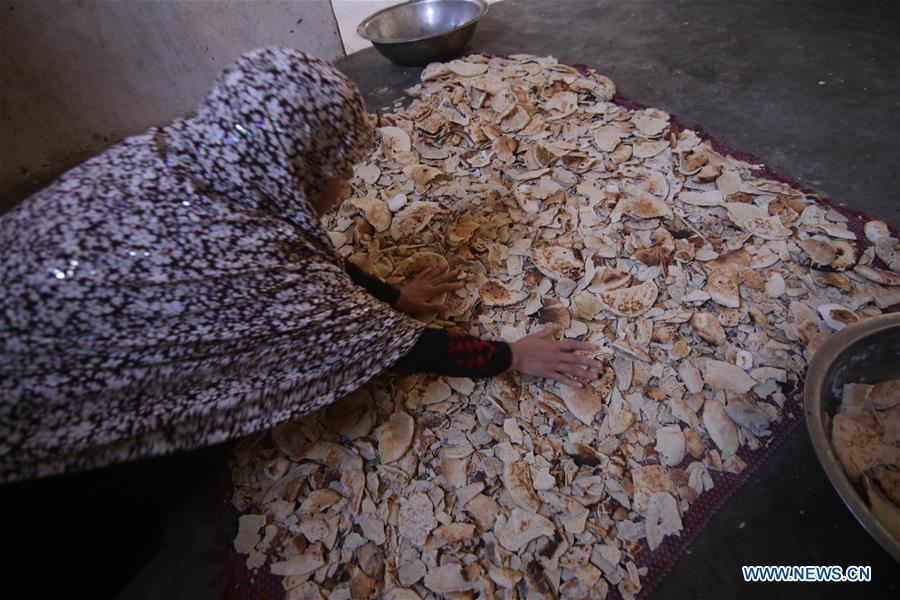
(178,290)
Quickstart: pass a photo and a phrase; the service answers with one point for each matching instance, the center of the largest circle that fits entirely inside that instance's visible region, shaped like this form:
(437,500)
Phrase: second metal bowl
(423,31)
(866,352)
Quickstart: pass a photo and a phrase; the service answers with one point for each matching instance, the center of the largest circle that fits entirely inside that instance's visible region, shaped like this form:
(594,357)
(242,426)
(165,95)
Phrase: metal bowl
(866,352)
(422,31)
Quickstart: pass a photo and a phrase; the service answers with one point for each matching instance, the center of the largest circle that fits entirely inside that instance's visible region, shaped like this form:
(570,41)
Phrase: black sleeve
(455,354)
(373,285)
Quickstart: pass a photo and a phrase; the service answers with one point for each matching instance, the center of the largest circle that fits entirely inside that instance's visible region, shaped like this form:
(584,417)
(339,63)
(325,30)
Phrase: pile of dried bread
(865,435)
(706,289)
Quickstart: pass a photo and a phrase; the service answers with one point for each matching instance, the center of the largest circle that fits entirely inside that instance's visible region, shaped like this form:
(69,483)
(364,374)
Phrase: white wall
(76,76)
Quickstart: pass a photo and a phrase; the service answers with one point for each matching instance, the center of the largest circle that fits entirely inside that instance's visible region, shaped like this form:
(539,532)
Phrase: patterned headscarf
(276,125)
(178,290)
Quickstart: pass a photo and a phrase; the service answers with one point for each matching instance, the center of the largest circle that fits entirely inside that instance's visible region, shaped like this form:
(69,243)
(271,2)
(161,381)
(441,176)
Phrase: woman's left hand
(418,295)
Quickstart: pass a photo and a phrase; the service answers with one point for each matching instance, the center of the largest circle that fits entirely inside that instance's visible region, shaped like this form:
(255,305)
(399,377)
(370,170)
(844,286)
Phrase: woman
(177,291)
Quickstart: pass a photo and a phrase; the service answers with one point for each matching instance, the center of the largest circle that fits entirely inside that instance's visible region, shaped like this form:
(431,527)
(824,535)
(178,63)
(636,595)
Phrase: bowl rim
(360,29)
(821,440)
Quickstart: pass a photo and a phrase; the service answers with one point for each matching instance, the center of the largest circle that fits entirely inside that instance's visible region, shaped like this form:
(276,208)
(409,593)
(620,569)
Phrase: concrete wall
(77,76)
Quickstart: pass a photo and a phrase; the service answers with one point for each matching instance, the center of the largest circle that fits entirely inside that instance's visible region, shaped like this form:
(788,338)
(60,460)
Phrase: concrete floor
(751,73)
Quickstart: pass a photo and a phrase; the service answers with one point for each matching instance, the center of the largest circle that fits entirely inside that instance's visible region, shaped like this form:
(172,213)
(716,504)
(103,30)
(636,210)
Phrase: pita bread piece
(557,262)
(631,301)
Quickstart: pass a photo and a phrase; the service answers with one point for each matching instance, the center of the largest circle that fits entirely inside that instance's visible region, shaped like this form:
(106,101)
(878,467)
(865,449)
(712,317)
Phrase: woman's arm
(381,290)
(455,354)
(415,297)
(459,355)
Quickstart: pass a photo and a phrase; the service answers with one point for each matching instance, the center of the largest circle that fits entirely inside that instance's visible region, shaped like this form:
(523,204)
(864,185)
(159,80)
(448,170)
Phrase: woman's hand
(418,295)
(538,354)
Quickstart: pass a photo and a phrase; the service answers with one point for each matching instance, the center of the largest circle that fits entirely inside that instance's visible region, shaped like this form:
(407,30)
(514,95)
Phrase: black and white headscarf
(178,290)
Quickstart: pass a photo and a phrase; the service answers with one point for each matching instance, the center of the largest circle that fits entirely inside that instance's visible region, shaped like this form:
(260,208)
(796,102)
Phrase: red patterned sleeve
(455,354)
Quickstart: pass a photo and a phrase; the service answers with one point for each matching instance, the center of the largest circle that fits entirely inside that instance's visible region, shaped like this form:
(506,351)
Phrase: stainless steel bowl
(867,352)
(422,31)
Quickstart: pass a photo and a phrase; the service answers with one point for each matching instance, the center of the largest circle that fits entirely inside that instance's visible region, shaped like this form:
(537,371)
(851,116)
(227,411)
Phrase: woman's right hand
(540,355)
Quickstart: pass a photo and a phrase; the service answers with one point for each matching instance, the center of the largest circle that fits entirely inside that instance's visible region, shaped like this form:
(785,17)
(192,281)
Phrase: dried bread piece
(467,69)
(708,328)
(608,278)
(648,206)
(649,148)
(721,375)
(376,211)
(555,312)
(346,462)
(394,436)
(494,294)
(586,402)
(418,262)
(888,478)
(712,198)
(521,527)
(607,138)
(877,231)
(463,229)
(412,219)
(352,416)
(631,301)
(888,251)
(859,448)
(756,220)
(885,510)
(517,481)
(836,316)
(663,518)
(884,394)
(415,520)
(846,255)
(721,428)
(670,444)
(396,138)
(301,565)
(821,253)
(722,287)
(557,262)
(878,275)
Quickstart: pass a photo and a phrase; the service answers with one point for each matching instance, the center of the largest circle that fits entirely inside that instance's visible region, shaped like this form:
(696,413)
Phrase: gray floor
(750,73)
